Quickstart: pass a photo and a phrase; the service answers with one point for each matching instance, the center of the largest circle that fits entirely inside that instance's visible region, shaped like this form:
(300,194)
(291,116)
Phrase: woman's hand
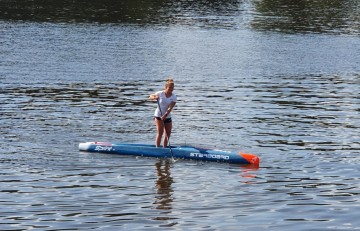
(153,97)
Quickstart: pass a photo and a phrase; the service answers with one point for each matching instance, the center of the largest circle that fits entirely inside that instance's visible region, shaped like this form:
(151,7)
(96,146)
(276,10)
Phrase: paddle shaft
(168,137)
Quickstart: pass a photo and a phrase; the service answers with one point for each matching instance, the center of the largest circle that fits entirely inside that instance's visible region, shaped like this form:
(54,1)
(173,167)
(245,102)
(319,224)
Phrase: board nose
(251,158)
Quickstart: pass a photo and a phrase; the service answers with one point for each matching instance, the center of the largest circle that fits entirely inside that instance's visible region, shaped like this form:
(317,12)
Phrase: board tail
(251,158)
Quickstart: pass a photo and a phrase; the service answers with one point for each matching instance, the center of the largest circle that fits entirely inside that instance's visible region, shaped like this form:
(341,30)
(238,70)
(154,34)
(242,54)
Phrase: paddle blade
(251,158)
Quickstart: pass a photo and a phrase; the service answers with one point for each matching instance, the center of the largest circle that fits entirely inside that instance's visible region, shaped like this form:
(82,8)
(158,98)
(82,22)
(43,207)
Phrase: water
(248,77)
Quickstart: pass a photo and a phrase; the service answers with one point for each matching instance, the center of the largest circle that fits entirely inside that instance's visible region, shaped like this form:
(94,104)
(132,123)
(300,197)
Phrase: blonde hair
(168,82)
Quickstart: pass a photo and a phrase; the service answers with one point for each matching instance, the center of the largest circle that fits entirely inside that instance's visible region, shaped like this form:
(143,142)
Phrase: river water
(280,79)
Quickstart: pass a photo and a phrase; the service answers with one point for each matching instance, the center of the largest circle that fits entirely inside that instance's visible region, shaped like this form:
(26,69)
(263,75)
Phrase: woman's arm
(153,96)
(171,106)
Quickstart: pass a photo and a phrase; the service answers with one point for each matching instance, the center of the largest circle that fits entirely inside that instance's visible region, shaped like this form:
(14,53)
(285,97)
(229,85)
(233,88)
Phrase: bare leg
(160,130)
(168,128)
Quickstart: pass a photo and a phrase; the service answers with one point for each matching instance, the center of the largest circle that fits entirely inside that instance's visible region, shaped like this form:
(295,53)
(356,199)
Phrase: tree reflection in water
(289,16)
(302,16)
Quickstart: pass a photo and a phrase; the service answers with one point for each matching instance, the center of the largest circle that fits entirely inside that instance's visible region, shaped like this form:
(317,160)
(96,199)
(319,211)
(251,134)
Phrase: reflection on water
(163,185)
(164,197)
(316,16)
(79,11)
(114,11)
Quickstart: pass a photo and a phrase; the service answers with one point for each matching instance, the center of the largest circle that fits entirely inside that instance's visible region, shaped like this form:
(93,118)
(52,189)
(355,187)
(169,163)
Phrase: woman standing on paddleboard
(166,100)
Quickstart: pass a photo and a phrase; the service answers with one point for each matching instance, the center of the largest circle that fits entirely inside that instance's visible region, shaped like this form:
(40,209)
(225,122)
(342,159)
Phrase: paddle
(168,137)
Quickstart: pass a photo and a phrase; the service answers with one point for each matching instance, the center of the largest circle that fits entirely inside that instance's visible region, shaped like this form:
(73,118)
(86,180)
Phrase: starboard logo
(103,148)
(209,156)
